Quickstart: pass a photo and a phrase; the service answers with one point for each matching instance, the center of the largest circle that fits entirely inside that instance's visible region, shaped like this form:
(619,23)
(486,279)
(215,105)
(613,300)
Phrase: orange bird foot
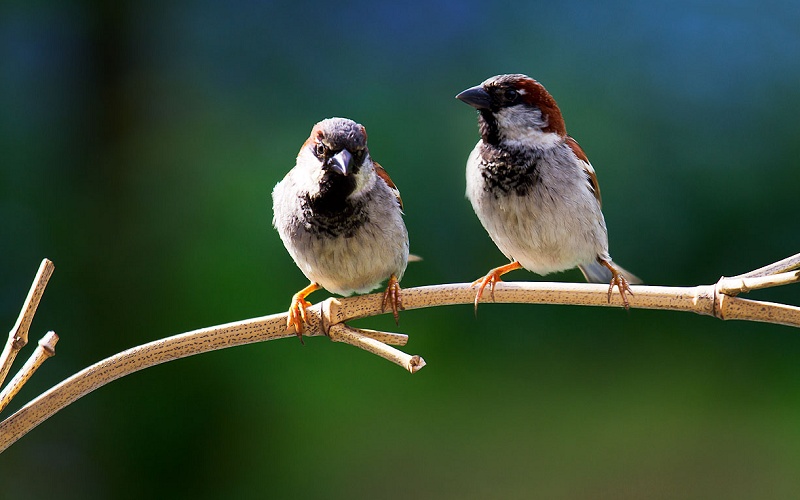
(393,298)
(492,278)
(298,315)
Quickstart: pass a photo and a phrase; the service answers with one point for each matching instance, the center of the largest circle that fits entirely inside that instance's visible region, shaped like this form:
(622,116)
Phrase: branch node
(17,342)
(325,319)
(48,343)
(415,364)
(719,300)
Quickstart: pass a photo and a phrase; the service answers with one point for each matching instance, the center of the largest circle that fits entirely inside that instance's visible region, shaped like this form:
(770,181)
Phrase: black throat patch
(330,213)
(507,171)
(489,129)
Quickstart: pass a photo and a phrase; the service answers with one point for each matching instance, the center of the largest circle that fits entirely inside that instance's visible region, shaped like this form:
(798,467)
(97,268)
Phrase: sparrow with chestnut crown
(533,187)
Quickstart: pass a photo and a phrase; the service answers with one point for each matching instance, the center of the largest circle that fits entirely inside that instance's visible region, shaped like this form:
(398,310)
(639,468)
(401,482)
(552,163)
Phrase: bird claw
(298,314)
(492,278)
(392,297)
(618,280)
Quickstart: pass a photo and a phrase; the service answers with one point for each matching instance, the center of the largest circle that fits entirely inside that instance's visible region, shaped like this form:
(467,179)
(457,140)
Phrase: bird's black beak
(476,97)
(341,162)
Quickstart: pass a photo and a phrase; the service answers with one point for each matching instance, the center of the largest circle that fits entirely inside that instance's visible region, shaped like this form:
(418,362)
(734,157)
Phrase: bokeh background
(139,144)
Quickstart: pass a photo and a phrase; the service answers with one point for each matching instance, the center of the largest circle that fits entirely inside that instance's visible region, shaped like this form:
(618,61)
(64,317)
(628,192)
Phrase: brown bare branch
(18,336)
(329,318)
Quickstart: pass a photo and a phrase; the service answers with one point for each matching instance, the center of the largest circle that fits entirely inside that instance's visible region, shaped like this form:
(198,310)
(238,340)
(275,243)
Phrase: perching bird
(340,217)
(533,187)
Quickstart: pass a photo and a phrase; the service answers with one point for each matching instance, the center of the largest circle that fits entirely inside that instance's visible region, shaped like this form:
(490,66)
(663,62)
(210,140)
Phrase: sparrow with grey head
(340,217)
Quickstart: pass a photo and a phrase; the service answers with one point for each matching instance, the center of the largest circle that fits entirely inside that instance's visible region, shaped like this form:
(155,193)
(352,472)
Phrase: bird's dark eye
(319,149)
(510,94)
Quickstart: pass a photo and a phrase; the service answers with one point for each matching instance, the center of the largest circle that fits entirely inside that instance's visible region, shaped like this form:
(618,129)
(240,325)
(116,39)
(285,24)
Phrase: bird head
(515,108)
(336,158)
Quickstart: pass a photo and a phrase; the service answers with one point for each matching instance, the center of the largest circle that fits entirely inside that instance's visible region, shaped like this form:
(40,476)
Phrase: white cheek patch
(521,126)
(365,178)
(307,173)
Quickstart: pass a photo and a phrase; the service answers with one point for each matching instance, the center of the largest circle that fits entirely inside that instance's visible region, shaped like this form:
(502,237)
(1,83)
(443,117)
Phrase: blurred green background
(140,142)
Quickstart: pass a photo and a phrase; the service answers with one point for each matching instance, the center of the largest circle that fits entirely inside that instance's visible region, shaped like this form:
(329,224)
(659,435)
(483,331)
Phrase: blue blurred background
(139,144)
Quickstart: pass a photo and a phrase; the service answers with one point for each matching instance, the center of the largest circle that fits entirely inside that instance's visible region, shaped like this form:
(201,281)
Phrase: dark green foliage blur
(139,144)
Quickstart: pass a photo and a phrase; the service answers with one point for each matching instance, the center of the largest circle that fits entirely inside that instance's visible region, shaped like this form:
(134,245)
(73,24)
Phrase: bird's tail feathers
(598,273)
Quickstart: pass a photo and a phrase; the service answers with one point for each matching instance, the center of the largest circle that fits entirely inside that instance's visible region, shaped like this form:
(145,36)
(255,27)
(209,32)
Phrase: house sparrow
(533,187)
(340,217)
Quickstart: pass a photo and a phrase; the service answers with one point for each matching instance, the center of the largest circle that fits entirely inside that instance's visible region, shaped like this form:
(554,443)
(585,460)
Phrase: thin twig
(390,338)
(18,336)
(734,286)
(329,316)
(366,339)
(45,349)
(781,266)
